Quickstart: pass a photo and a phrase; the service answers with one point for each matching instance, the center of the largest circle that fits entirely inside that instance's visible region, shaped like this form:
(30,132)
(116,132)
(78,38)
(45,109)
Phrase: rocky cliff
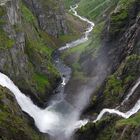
(13,124)
(121,45)
(50,15)
(112,54)
(26,45)
(30,31)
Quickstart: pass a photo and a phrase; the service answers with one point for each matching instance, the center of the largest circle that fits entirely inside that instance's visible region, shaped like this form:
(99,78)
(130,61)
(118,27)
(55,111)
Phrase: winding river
(61,118)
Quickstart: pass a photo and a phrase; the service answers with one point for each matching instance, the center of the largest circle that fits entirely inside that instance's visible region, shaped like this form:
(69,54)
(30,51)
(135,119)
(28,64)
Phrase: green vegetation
(5,41)
(27,14)
(118,22)
(2,11)
(68,3)
(39,53)
(114,88)
(118,83)
(11,119)
(67,38)
(41,82)
(134,121)
(72,56)
(119,18)
(94,9)
(76,27)
(102,130)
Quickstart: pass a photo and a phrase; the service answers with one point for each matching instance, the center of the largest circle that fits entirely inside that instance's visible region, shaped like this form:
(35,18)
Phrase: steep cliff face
(13,124)
(25,55)
(13,61)
(50,15)
(112,54)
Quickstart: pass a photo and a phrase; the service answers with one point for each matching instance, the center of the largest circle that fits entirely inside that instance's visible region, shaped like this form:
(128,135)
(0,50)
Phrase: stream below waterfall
(61,118)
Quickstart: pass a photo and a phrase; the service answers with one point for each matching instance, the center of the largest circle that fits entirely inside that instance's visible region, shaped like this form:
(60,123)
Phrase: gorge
(102,80)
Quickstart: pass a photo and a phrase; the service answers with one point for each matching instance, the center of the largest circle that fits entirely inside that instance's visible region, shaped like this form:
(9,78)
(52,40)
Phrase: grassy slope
(39,49)
(115,87)
(93,44)
(70,2)
(13,125)
(93,9)
(76,28)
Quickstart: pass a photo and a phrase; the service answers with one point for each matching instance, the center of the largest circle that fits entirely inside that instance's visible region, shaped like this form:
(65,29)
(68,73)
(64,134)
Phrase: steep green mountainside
(26,50)
(94,9)
(112,52)
(13,125)
(30,31)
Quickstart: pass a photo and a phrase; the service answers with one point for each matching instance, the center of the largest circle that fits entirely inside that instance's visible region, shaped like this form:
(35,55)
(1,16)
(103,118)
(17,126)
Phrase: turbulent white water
(84,38)
(131,91)
(61,118)
(127,114)
(44,119)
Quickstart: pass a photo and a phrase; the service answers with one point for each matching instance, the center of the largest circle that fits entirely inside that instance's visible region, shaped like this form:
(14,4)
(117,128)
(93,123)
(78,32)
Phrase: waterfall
(60,118)
(44,119)
(125,115)
(131,91)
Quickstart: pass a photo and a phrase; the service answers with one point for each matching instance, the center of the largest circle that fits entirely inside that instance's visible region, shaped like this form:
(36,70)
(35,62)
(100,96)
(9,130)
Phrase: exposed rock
(25,55)
(13,124)
(14,61)
(50,15)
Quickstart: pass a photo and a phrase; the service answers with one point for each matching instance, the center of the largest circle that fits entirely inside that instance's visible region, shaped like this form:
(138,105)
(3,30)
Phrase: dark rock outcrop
(13,123)
(119,54)
(50,15)
(25,55)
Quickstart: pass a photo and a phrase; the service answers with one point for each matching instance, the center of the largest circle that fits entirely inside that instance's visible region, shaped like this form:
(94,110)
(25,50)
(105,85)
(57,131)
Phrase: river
(61,118)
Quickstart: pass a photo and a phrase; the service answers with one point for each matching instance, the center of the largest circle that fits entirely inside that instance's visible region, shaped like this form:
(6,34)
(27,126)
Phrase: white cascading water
(131,91)
(44,119)
(3,2)
(48,119)
(127,114)
(61,117)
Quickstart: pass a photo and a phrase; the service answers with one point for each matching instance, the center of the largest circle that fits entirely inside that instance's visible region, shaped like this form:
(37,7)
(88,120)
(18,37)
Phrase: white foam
(127,114)
(131,91)
(45,120)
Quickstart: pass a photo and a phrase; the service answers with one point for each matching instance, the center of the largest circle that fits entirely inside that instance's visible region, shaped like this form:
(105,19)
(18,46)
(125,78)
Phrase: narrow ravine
(85,37)
(127,114)
(61,118)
